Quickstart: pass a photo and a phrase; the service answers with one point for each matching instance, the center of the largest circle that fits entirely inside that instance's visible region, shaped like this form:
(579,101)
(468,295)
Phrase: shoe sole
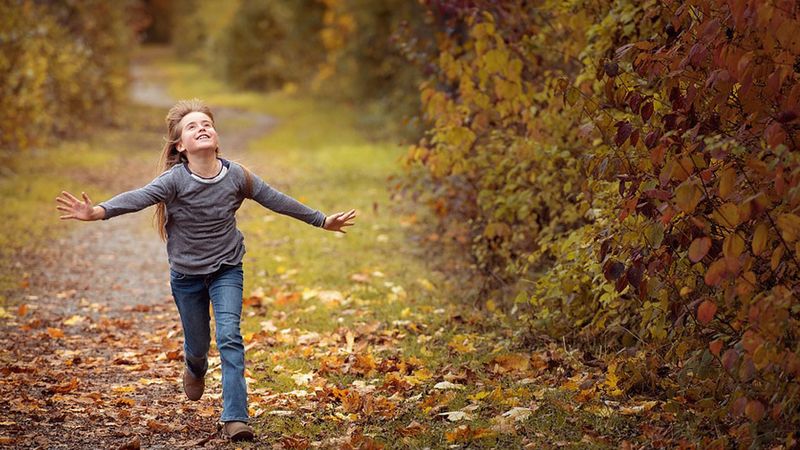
(243,435)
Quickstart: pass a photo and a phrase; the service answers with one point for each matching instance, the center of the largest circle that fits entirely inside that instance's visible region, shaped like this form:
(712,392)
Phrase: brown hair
(170,156)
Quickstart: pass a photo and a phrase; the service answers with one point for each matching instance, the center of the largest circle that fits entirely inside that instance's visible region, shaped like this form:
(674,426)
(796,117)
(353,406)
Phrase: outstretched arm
(76,209)
(335,222)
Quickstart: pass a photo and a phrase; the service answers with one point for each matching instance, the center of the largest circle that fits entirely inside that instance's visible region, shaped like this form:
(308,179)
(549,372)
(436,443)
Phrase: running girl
(197,197)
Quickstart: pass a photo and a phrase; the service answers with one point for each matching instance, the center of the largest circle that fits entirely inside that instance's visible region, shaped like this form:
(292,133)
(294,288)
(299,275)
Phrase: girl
(197,196)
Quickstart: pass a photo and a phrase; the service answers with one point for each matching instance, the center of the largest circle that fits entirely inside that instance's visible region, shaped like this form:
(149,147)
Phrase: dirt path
(93,356)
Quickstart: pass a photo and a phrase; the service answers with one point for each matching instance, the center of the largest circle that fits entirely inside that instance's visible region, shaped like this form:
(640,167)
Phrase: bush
(629,170)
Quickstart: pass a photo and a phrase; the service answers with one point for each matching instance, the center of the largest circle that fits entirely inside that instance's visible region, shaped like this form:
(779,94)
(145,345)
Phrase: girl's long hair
(170,156)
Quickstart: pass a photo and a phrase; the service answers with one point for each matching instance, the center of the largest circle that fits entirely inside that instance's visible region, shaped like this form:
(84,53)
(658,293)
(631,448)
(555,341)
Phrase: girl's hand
(336,222)
(76,209)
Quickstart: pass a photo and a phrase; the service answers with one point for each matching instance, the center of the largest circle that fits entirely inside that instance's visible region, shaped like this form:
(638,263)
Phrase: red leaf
(729,359)
(647,111)
(706,311)
(613,270)
(611,68)
(623,133)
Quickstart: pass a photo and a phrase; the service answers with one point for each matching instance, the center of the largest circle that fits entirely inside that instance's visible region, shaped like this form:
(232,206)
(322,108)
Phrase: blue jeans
(223,289)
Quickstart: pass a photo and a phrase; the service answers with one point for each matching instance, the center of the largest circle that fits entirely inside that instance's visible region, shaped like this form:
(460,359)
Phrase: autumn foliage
(63,65)
(629,171)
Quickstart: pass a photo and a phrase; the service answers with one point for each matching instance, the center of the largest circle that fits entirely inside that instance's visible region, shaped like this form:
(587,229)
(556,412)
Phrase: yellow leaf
(124,389)
(760,238)
(733,246)
(727,182)
(776,257)
(612,379)
(727,215)
(461,343)
(425,283)
(687,195)
(789,224)
(478,396)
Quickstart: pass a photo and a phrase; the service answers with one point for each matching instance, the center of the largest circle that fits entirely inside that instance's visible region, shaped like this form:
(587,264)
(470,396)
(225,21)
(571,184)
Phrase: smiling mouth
(203,136)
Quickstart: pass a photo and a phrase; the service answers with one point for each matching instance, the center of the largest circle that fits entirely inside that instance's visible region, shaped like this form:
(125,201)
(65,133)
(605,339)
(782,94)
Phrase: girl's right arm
(156,191)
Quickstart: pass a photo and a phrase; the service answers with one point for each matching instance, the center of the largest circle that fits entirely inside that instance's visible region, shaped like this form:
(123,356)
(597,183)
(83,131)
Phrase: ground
(353,341)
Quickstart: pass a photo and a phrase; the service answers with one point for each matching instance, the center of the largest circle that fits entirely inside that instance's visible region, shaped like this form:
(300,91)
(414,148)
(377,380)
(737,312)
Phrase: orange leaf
(715,272)
(55,333)
(158,426)
(715,347)
(513,361)
(706,311)
(754,410)
(174,355)
(63,388)
(699,248)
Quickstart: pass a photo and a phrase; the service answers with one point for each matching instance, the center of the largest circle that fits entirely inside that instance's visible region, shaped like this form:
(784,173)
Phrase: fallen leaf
(413,429)
(158,426)
(518,413)
(302,379)
(447,385)
(132,444)
(455,416)
(55,333)
(74,320)
(174,355)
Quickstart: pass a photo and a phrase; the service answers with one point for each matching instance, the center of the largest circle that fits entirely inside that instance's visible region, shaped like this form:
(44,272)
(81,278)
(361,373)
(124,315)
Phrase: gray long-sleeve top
(201,223)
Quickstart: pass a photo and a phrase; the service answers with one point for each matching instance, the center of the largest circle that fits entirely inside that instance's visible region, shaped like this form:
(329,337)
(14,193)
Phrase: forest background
(618,177)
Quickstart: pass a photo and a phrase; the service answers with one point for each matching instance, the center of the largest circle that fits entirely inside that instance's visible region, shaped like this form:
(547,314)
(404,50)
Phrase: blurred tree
(63,66)
(159,21)
(270,44)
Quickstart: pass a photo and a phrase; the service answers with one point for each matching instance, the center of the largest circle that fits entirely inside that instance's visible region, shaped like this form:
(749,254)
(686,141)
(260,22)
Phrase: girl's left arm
(281,203)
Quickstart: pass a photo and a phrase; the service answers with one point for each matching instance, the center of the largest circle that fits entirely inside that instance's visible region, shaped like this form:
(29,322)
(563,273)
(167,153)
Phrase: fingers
(69,196)
(64,201)
(68,216)
(86,198)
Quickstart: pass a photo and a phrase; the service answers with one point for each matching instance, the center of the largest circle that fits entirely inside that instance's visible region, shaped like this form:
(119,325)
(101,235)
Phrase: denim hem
(245,420)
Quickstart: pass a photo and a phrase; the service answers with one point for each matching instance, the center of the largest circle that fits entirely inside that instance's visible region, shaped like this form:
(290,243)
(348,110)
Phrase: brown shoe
(238,431)
(193,387)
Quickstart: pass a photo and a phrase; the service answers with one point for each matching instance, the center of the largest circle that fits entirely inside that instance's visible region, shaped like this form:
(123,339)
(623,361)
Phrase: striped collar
(216,178)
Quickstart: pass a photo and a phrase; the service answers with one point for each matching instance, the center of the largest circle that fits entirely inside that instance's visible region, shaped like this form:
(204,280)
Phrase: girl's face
(197,133)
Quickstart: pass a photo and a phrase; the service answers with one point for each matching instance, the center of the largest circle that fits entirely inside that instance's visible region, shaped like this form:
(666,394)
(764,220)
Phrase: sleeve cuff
(105,209)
